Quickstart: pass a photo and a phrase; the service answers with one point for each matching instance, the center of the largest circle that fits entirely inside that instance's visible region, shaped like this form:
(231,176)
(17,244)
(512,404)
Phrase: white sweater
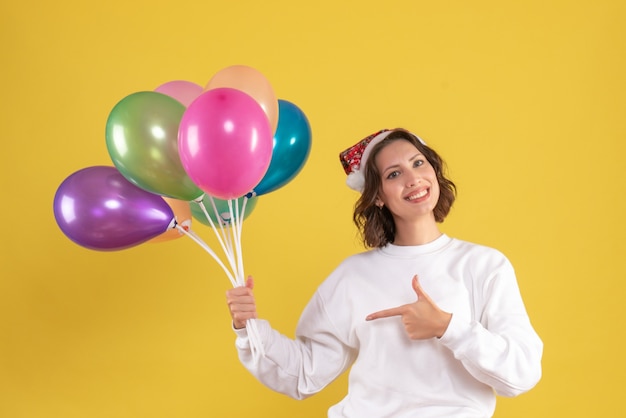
(489,345)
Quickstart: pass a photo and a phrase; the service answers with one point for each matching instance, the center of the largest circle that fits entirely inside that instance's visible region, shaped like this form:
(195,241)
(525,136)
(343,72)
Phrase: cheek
(435,191)
(383,192)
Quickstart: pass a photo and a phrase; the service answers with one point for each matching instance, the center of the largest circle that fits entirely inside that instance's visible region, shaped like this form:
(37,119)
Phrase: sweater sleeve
(302,366)
(501,348)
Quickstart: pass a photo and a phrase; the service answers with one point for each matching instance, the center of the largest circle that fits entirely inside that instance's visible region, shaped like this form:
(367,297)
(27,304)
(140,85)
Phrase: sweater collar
(406,251)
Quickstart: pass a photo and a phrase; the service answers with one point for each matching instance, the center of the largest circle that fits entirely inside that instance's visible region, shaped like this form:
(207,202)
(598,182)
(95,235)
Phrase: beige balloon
(253,83)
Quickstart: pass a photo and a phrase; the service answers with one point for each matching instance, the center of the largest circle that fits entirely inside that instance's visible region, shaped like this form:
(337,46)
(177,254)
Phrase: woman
(430,326)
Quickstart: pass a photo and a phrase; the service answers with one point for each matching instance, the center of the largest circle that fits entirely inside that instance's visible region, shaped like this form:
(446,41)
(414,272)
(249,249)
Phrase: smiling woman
(371,216)
(427,324)
(524,99)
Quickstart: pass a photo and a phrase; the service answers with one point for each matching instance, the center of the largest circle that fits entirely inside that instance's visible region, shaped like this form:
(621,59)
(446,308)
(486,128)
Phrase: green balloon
(222,209)
(142,140)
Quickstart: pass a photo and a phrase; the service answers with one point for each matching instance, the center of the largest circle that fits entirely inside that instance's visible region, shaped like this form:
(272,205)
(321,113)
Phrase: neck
(416,233)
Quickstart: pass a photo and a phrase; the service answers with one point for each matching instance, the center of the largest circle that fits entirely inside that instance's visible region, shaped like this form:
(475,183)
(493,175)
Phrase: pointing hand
(422,319)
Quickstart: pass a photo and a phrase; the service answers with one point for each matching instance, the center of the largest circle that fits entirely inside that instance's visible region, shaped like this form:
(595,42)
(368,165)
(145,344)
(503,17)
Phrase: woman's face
(409,186)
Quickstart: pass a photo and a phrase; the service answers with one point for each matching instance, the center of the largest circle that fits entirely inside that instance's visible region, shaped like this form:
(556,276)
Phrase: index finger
(385,313)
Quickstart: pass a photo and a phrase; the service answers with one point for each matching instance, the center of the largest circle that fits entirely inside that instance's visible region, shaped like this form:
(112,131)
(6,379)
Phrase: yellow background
(524,99)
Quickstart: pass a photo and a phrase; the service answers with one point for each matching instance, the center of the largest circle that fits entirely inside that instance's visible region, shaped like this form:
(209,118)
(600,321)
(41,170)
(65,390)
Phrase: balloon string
(236,234)
(221,224)
(231,245)
(239,228)
(225,241)
(208,249)
(221,238)
(256,345)
(227,235)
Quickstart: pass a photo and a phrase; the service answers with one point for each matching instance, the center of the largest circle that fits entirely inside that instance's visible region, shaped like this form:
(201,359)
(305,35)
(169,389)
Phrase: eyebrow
(397,165)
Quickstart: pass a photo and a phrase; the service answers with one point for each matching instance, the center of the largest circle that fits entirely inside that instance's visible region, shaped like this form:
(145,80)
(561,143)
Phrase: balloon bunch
(178,150)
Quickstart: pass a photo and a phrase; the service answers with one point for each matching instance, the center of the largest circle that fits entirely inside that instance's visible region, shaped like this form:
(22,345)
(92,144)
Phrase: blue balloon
(291,148)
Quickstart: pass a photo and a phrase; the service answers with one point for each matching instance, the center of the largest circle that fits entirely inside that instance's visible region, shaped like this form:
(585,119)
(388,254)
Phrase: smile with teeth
(417,195)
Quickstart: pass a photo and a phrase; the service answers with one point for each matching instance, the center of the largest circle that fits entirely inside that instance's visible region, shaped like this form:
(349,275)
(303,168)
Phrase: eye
(418,163)
(393,174)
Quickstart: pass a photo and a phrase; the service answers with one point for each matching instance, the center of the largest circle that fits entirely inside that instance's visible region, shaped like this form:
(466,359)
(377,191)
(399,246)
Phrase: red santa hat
(355,157)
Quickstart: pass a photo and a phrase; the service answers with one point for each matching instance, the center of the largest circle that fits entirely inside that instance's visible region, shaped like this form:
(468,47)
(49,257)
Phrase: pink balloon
(225,142)
(181,90)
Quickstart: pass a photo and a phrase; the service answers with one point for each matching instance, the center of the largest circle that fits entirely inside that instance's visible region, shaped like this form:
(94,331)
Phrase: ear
(379,202)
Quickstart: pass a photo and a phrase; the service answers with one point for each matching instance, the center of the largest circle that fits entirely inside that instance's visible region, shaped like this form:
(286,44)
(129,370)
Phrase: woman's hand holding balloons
(241,303)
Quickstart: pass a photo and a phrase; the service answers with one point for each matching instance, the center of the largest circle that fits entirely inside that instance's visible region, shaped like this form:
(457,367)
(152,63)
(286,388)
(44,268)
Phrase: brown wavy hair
(376,225)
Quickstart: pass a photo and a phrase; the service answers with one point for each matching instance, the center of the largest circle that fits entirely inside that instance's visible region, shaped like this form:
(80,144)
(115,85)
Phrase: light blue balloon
(291,148)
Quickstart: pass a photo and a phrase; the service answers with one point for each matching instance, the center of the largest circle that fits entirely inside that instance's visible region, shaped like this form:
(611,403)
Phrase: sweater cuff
(455,334)
(242,340)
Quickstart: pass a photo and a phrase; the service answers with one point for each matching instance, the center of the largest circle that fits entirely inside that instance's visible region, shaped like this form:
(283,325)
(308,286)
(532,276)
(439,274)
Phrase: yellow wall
(524,99)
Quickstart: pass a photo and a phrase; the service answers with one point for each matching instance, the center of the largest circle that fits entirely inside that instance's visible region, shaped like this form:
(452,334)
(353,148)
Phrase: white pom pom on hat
(355,157)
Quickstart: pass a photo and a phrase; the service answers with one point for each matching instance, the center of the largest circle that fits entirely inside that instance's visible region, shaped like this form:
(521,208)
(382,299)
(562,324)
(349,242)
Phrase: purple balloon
(99,209)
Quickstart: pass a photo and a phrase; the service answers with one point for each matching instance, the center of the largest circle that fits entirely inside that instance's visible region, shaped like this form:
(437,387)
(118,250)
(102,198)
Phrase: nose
(413,181)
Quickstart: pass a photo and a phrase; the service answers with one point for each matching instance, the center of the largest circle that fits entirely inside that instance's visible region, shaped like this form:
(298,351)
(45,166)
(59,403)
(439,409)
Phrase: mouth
(417,195)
